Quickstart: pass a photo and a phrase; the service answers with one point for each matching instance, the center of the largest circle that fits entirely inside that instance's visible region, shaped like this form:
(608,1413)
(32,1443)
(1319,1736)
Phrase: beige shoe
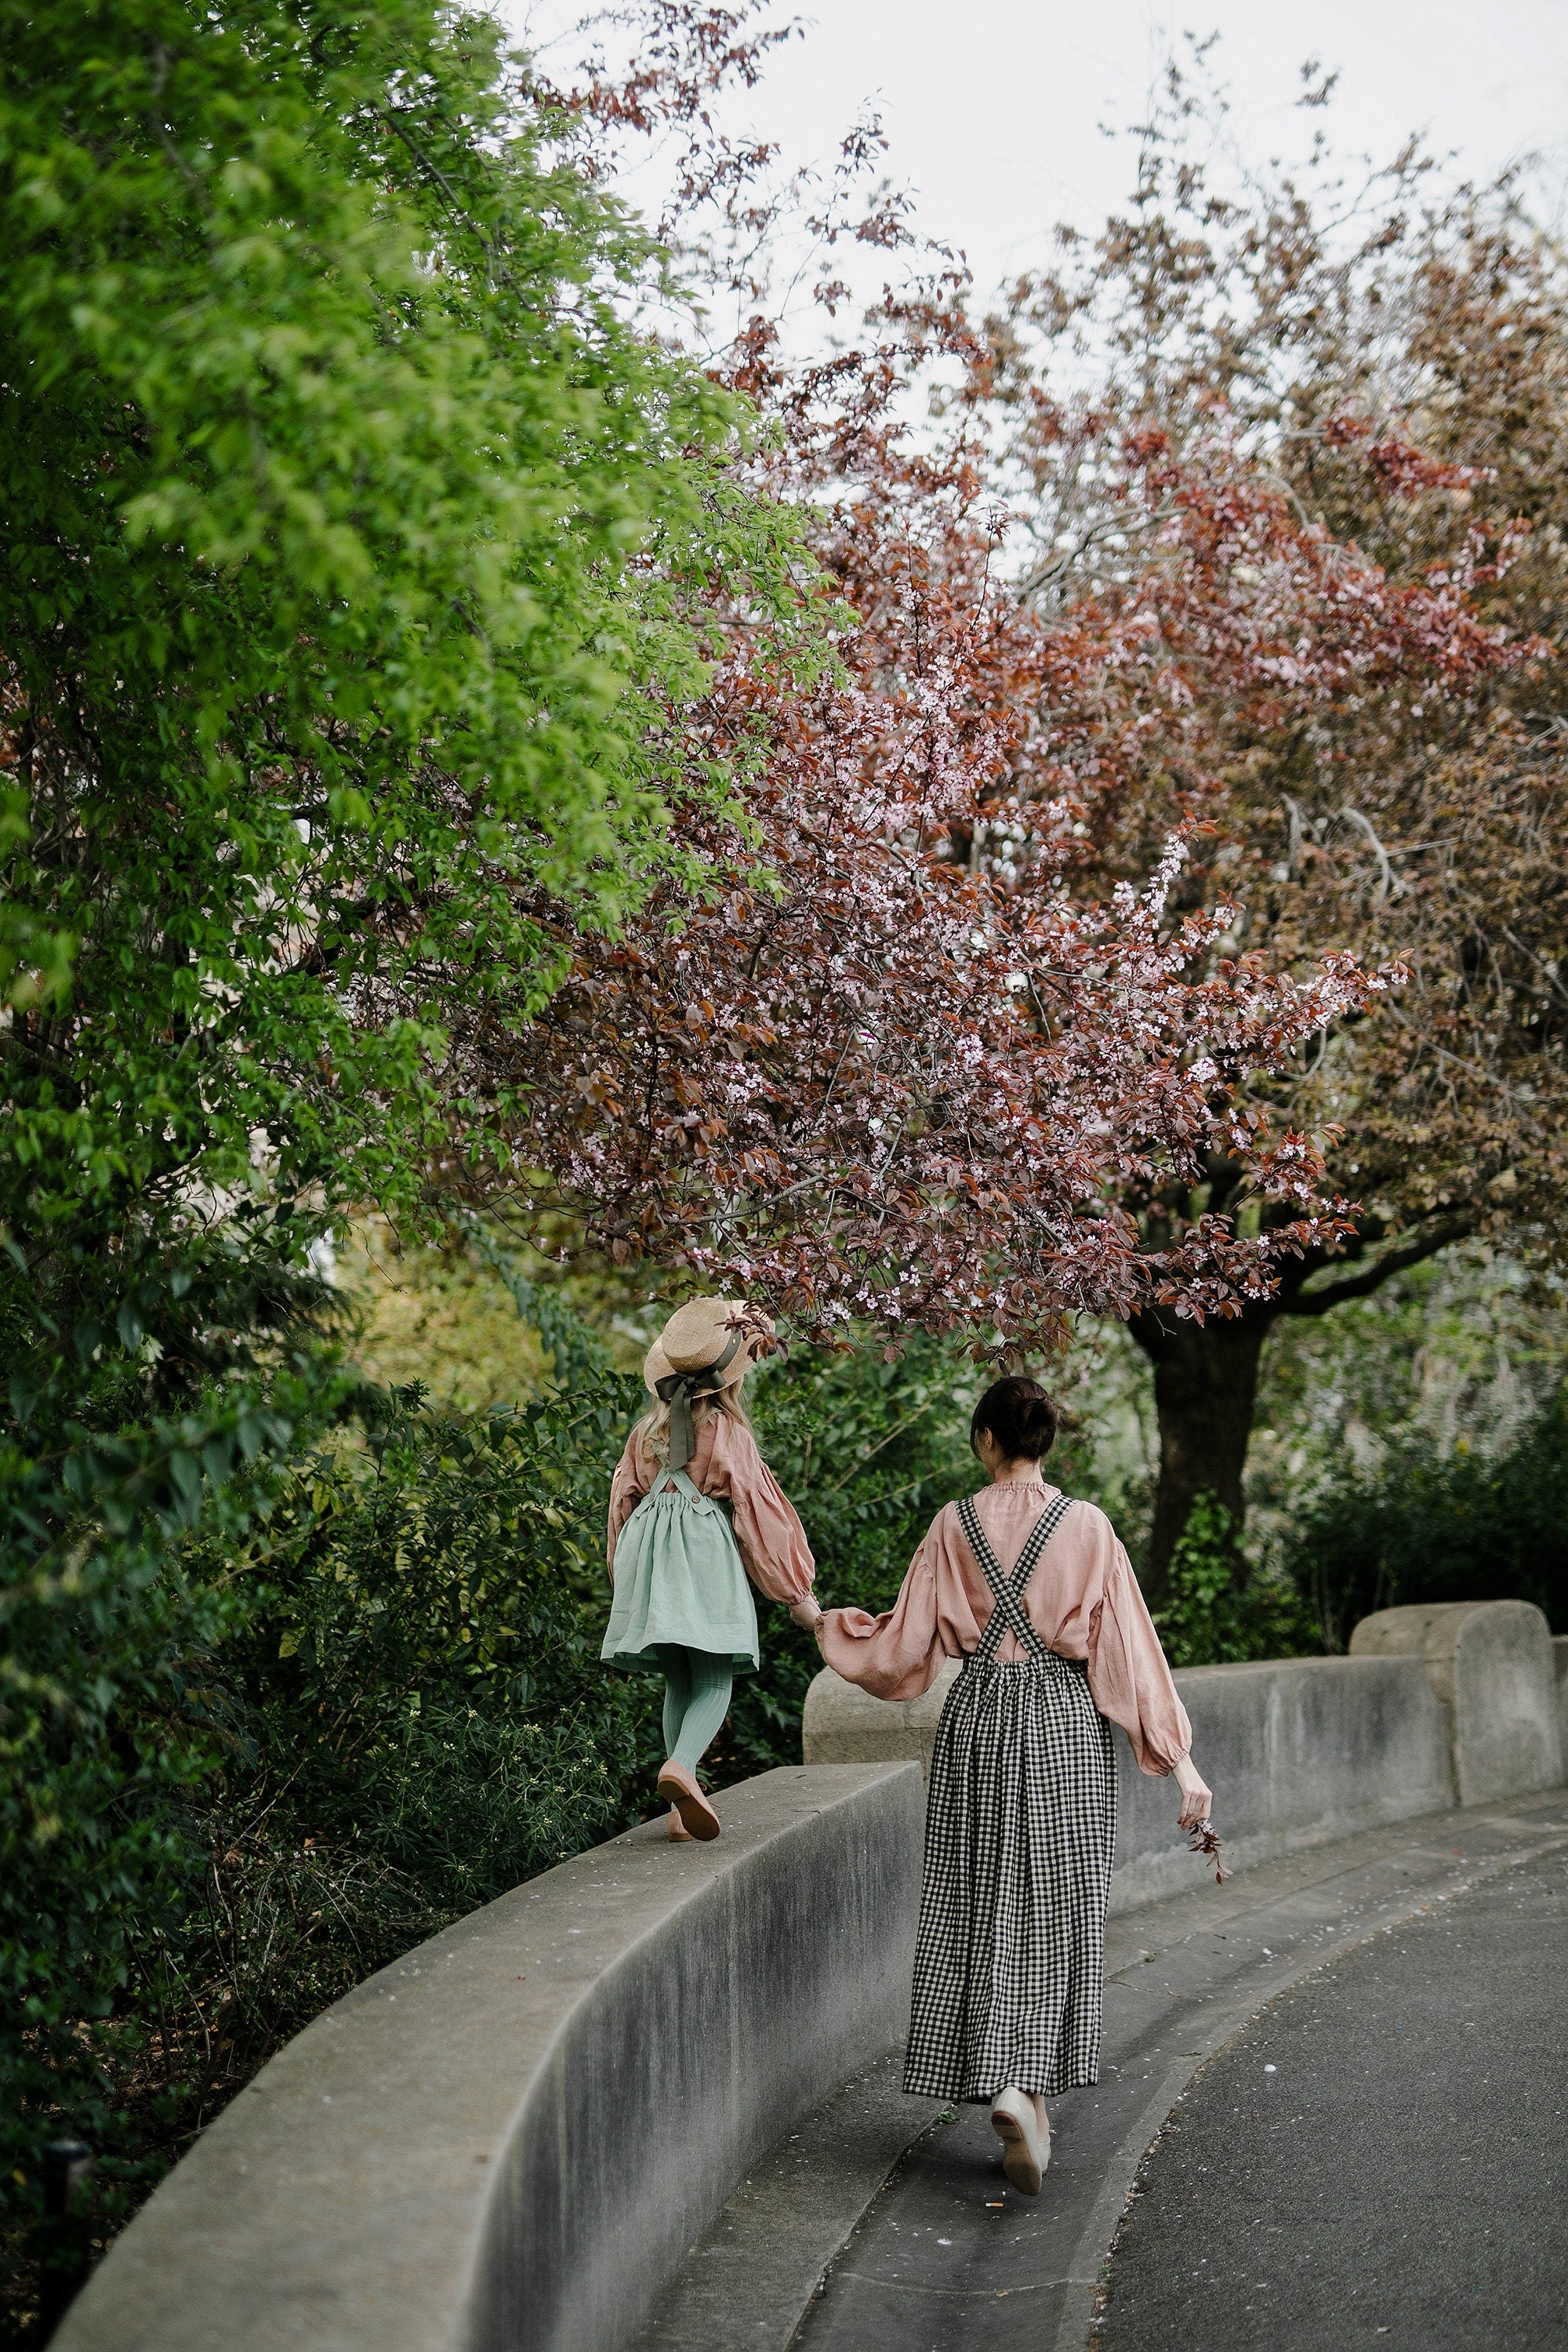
(679,1788)
(676,1830)
(1025,2146)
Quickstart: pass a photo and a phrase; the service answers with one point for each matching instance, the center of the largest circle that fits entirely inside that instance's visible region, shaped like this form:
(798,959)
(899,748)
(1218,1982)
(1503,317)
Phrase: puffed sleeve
(1128,1679)
(901,1654)
(767,1527)
(628,1488)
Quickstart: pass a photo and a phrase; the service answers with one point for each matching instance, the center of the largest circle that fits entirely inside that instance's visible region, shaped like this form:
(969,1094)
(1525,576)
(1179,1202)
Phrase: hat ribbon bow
(677,1389)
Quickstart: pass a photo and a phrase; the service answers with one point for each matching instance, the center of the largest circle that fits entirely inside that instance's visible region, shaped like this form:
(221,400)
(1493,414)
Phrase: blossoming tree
(965,1041)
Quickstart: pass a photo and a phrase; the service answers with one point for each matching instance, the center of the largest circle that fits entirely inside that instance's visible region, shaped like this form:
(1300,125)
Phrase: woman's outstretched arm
(1128,1679)
(901,1654)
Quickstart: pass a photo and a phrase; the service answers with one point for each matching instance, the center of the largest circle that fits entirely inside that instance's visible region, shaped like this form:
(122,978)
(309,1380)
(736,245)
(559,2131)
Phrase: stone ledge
(1492,1668)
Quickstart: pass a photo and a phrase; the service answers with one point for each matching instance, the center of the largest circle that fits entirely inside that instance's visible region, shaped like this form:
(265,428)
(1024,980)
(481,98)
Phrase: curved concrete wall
(1434,1707)
(1295,1750)
(457,2156)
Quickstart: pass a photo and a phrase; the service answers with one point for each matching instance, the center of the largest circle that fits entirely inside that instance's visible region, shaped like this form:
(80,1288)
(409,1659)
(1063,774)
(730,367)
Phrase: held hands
(1196,1796)
(805,1612)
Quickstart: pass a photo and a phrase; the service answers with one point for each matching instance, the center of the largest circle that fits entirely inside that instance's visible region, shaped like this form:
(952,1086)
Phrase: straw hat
(710,1343)
(698,1334)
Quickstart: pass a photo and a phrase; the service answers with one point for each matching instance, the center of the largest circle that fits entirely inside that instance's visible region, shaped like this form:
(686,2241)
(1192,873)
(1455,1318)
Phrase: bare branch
(1383,1269)
(1386,887)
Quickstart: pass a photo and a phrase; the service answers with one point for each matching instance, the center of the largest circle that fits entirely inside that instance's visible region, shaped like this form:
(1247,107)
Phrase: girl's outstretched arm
(767,1526)
(628,1488)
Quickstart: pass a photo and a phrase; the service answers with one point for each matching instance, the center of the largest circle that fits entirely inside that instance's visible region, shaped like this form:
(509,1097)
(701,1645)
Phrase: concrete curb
(743,2287)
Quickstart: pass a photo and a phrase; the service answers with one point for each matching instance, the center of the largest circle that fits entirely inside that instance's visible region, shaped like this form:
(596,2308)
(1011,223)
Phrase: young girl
(1036,1596)
(694,1509)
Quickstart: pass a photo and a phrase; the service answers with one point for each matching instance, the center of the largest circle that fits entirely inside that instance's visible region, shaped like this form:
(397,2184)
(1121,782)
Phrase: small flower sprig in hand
(1203,1840)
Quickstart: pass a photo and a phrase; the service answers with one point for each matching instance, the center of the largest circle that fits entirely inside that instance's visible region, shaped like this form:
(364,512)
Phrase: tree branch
(871,1451)
(1372,1277)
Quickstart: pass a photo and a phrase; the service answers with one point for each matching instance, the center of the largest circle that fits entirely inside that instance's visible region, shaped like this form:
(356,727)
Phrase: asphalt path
(1381,2159)
(1405,2154)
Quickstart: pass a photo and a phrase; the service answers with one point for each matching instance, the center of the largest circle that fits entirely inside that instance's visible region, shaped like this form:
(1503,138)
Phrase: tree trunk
(1206,1386)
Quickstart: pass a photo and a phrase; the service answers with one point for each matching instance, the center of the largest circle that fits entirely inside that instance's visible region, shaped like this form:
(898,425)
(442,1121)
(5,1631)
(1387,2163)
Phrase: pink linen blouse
(727,1466)
(1082,1600)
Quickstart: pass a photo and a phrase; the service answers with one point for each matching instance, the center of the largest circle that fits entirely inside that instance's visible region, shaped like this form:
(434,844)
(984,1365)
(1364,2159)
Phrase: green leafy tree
(356,554)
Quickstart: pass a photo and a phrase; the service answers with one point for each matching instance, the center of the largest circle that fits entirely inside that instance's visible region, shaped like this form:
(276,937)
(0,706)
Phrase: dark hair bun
(1020,1417)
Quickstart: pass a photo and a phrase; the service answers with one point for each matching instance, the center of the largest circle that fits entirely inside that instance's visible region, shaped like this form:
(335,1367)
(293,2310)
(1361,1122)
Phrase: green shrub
(1217,1612)
(420,1663)
(107,1745)
(251,1769)
(1426,1526)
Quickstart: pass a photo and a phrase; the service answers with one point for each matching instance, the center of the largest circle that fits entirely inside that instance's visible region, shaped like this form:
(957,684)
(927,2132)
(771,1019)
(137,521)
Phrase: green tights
(696,1700)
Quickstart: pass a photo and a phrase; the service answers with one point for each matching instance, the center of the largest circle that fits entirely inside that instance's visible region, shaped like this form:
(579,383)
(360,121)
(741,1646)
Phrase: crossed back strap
(1009,1616)
(676,1482)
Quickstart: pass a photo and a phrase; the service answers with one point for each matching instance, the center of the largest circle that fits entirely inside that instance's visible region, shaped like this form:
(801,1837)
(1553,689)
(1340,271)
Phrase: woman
(1036,1596)
(694,1511)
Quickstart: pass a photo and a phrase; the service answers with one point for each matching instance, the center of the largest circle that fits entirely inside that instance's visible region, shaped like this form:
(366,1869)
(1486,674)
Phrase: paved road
(1381,2159)
(948,2259)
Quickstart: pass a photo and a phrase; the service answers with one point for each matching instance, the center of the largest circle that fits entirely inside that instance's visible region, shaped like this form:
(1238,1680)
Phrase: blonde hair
(653,1429)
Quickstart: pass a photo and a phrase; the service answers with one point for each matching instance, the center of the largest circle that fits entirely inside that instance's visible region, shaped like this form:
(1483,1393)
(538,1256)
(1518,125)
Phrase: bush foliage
(1431,1525)
(362,1701)
(1217,1610)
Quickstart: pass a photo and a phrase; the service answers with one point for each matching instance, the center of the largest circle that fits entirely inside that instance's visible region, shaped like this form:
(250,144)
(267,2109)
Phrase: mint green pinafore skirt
(680,1578)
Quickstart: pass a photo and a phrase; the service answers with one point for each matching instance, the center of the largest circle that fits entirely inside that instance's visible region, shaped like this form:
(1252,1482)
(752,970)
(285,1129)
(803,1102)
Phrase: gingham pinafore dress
(1020,1835)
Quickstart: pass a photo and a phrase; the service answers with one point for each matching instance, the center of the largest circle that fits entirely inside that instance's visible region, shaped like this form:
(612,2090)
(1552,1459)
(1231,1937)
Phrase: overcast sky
(993,106)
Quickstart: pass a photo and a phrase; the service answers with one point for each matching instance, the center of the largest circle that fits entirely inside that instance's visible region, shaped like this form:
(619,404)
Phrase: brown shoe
(676,1830)
(679,1788)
